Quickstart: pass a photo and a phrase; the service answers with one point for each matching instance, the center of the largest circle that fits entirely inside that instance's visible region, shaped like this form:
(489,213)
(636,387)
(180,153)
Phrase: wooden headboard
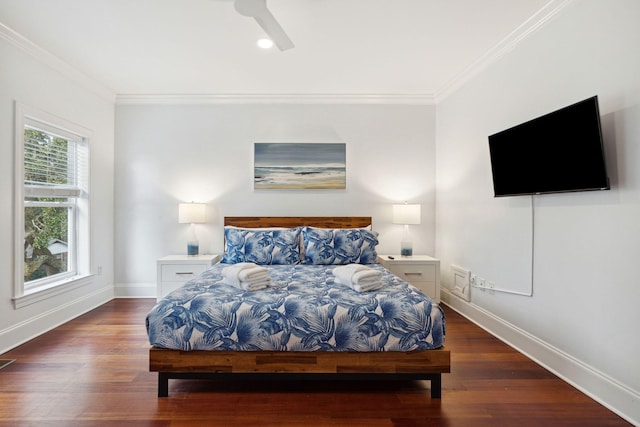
(295,221)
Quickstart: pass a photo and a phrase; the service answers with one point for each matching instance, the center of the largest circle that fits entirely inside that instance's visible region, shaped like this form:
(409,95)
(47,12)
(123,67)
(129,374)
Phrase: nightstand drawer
(421,271)
(428,288)
(414,272)
(174,270)
(180,272)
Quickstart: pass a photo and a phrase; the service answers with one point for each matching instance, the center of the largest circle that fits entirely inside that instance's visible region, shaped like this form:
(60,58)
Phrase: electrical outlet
(482,282)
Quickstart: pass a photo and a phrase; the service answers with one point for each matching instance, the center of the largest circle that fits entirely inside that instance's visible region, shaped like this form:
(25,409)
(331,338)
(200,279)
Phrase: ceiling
(342,47)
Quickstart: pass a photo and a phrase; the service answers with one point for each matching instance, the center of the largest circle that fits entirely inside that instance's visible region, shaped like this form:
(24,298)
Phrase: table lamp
(192,213)
(406,214)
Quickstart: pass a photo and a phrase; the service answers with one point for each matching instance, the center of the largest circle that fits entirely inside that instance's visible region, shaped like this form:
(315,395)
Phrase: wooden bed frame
(413,365)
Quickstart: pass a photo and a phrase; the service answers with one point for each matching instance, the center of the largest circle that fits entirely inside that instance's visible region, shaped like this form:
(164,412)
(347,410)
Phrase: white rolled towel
(344,273)
(231,272)
(247,276)
(366,280)
(359,277)
(254,273)
(254,278)
(255,285)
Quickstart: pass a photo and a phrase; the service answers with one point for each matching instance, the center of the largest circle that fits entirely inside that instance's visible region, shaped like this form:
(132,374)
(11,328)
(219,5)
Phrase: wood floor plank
(94,371)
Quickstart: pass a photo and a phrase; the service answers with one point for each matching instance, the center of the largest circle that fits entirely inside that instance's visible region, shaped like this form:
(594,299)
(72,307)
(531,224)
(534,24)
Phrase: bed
(285,349)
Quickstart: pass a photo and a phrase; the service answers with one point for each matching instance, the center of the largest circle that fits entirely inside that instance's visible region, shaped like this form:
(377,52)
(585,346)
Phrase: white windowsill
(52,290)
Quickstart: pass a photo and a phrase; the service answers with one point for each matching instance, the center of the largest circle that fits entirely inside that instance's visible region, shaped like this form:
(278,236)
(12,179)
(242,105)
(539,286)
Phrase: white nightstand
(175,270)
(421,271)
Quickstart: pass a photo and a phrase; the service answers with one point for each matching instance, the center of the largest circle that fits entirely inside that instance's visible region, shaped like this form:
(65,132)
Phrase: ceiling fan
(257,9)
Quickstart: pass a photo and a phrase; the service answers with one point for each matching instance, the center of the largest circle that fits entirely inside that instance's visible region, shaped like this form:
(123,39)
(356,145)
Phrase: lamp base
(193,248)
(406,249)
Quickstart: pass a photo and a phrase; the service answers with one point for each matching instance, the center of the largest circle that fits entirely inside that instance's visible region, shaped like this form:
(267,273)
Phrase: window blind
(53,164)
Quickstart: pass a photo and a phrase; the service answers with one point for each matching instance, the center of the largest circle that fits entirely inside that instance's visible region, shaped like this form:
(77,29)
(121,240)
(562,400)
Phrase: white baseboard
(22,332)
(135,290)
(612,394)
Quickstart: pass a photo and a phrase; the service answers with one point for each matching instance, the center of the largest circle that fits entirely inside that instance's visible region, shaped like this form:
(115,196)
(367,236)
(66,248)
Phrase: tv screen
(559,152)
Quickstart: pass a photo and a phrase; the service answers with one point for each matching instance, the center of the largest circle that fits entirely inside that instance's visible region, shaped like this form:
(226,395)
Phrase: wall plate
(460,286)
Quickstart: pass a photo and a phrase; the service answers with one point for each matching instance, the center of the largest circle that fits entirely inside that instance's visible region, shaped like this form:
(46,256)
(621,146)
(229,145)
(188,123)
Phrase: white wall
(585,244)
(25,77)
(586,287)
(169,154)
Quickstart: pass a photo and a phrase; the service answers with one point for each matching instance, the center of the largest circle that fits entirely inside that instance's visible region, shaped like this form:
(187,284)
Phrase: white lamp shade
(191,213)
(406,214)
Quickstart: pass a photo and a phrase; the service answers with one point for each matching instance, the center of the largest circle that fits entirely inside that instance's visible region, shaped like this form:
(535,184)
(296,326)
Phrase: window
(52,199)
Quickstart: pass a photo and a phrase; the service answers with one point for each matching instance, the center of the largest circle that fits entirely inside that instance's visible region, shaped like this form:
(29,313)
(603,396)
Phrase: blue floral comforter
(304,311)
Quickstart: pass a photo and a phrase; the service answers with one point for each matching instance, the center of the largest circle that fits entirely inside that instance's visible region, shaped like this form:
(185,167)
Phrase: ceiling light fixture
(265,43)
(257,9)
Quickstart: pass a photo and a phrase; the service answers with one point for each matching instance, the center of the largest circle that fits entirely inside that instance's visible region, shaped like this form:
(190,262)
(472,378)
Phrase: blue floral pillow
(262,246)
(339,245)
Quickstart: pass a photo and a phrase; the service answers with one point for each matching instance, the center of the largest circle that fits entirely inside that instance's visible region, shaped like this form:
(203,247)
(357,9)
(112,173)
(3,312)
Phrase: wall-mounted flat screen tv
(559,152)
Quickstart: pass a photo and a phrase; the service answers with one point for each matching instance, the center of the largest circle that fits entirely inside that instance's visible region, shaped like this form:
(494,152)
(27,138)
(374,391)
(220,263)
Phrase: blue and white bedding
(303,310)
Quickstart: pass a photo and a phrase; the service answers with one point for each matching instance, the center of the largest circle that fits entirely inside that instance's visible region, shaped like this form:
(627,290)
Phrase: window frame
(26,293)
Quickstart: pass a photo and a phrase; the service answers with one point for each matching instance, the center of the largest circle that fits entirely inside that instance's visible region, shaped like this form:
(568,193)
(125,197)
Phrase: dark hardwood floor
(93,371)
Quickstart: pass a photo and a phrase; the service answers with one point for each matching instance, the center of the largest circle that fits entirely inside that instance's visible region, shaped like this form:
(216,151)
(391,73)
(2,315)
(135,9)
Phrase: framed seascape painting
(299,166)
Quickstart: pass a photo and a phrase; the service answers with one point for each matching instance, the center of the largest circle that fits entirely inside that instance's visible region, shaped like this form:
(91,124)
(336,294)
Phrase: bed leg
(436,386)
(163,384)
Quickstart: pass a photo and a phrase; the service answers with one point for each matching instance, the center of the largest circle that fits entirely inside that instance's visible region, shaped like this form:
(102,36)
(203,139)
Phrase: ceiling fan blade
(257,9)
(274,30)
(250,8)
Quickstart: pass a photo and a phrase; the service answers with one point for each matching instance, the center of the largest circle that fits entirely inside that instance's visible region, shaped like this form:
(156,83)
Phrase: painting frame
(299,166)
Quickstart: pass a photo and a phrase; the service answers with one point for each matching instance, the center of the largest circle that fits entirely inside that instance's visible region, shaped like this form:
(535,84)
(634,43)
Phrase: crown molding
(529,27)
(55,63)
(204,99)
(533,24)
